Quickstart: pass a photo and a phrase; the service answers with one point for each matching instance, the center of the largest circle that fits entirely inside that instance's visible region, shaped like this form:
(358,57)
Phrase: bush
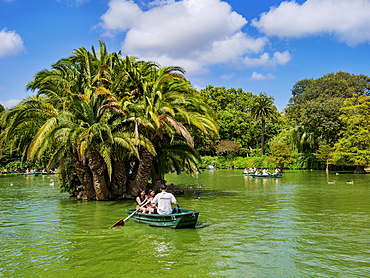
(237,162)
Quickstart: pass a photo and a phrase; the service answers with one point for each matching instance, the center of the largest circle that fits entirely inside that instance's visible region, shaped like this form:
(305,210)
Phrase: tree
(263,108)
(353,147)
(325,153)
(315,104)
(109,114)
(281,154)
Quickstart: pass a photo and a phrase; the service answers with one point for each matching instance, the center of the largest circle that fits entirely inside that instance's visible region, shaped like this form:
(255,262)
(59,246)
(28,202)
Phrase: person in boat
(27,171)
(276,173)
(265,172)
(151,208)
(164,201)
(246,170)
(140,200)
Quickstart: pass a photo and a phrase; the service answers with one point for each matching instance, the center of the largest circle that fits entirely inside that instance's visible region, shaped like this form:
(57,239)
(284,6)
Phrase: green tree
(109,114)
(353,147)
(315,105)
(263,108)
(281,154)
(325,153)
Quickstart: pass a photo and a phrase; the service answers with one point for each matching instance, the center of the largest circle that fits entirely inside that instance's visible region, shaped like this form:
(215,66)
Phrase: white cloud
(190,33)
(228,76)
(73,2)
(260,77)
(10,43)
(349,20)
(10,102)
(279,58)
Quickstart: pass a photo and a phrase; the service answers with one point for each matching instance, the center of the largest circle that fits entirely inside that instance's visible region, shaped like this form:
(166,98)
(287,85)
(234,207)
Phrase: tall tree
(264,109)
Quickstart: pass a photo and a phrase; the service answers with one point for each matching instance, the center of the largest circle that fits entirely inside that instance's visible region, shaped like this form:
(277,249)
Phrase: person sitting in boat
(265,172)
(246,170)
(164,200)
(140,200)
(28,171)
(44,171)
(276,173)
(151,208)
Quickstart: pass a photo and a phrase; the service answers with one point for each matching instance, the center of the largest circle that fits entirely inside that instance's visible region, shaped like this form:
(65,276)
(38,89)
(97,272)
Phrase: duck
(349,182)
(331,182)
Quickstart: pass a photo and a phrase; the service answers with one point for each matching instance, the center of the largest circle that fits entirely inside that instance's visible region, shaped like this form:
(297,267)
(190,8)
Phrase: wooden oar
(121,222)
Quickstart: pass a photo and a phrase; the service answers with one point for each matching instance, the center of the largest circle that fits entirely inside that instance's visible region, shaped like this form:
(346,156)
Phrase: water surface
(296,226)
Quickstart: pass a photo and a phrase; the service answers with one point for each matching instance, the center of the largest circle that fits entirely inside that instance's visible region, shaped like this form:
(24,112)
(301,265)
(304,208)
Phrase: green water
(296,226)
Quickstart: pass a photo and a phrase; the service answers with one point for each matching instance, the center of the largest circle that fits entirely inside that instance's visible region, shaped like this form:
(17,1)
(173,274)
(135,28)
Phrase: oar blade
(119,223)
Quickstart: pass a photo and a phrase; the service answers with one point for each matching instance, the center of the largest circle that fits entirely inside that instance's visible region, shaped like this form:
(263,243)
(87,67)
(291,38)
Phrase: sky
(259,46)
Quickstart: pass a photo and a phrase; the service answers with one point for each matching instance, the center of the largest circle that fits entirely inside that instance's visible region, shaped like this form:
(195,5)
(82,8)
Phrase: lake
(296,226)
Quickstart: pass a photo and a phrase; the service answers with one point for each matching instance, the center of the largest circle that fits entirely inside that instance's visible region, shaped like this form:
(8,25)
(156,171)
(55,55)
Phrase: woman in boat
(140,200)
(151,208)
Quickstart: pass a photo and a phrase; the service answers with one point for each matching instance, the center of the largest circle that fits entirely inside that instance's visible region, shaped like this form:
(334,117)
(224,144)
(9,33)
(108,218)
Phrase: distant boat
(269,176)
(31,174)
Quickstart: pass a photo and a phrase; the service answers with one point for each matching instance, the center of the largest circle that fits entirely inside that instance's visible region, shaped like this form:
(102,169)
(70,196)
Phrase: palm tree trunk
(143,173)
(84,175)
(263,137)
(119,179)
(96,165)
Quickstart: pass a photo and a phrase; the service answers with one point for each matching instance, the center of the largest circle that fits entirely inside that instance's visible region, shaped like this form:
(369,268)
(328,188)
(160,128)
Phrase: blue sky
(259,46)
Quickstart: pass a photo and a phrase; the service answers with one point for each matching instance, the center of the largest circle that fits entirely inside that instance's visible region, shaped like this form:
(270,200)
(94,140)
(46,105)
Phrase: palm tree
(167,105)
(263,108)
(104,112)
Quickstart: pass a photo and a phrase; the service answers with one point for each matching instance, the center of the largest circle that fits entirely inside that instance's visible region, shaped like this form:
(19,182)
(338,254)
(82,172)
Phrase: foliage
(325,154)
(110,116)
(314,108)
(234,118)
(281,154)
(228,148)
(236,163)
(353,147)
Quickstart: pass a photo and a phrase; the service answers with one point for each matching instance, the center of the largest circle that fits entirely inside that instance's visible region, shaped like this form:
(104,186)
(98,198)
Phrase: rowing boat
(269,176)
(186,218)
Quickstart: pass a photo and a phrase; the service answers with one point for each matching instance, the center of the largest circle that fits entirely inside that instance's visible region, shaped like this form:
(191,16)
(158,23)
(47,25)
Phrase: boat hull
(267,176)
(185,219)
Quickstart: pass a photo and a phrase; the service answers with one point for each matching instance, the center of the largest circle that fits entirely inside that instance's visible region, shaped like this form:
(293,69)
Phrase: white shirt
(164,201)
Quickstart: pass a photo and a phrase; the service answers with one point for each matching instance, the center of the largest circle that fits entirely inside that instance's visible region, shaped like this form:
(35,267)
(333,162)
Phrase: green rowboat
(186,218)
(269,176)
